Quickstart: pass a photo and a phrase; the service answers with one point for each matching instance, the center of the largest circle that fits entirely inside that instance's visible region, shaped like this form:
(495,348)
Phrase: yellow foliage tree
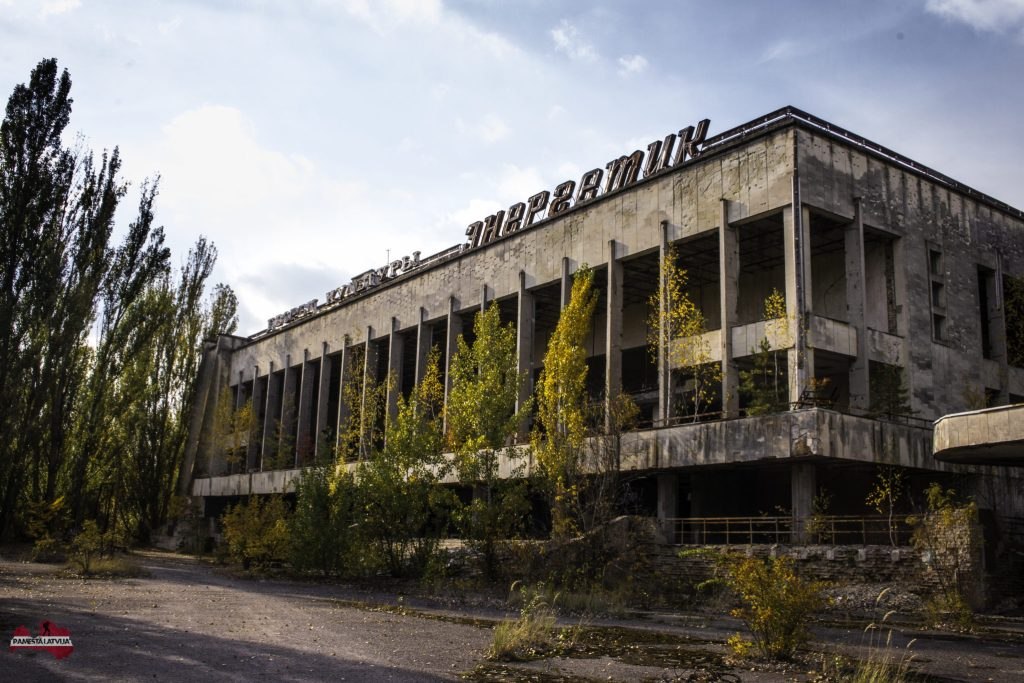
(676,327)
(562,404)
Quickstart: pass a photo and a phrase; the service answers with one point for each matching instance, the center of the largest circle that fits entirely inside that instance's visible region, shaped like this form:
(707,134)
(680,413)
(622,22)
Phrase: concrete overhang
(993,436)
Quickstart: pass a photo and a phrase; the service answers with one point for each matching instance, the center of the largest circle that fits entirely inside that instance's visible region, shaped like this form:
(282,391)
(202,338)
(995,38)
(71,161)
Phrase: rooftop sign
(617,174)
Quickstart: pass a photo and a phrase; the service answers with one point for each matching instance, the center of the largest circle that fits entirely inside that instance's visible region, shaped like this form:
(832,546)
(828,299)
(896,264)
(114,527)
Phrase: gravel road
(186,621)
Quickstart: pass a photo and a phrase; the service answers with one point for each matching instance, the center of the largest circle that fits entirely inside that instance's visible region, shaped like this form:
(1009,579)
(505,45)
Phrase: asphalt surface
(186,621)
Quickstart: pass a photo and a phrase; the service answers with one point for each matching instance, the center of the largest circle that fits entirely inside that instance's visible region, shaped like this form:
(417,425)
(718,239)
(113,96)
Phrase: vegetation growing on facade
(676,327)
(563,408)
(482,423)
(764,385)
(888,394)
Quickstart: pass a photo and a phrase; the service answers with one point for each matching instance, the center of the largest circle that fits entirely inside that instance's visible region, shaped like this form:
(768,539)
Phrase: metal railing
(818,530)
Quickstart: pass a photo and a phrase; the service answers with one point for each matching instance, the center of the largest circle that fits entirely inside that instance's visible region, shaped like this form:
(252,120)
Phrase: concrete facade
(886,267)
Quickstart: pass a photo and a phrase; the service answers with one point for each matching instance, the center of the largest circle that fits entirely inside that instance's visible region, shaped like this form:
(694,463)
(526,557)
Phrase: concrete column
(797,244)
(423,344)
(728,288)
(664,365)
(271,413)
(304,444)
(803,488)
(396,344)
(366,429)
(566,283)
(997,331)
(454,325)
(259,406)
(856,306)
(345,370)
(668,496)
(613,337)
(526,323)
(288,408)
(323,390)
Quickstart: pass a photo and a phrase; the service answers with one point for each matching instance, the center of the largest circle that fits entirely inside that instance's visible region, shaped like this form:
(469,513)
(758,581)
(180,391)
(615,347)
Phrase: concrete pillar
(803,488)
(454,330)
(668,495)
(396,344)
(526,323)
(304,440)
(259,407)
(366,429)
(345,371)
(271,413)
(613,337)
(424,341)
(323,397)
(291,378)
(997,331)
(664,412)
(797,244)
(856,306)
(566,283)
(728,288)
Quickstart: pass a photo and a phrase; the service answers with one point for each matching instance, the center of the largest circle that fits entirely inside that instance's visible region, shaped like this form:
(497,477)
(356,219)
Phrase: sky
(311,140)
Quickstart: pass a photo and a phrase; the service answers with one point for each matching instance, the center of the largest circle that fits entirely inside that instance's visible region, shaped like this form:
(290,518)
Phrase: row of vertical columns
(796,239)
(664,363)
(728,288)
(322,408)
(856,305)
(454,325)
(525,323)
(423,343)
(273,395)
(304,440)
(254,453)
(396,345)
(613,337)
(369,360)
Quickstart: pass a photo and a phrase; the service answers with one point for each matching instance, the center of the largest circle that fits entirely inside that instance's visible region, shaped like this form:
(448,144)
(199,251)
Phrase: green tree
(321,530)
(402,503)
(764,384)
(482,422)
(676,327)
(563,406)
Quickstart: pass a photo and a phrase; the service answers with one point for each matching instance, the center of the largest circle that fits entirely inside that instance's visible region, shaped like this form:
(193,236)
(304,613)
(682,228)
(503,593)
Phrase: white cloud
(489,129)
(166,28)
(567,40)
(632,64)
(381,15)
(516,184)
(982,15)
(780,50)
(51,7)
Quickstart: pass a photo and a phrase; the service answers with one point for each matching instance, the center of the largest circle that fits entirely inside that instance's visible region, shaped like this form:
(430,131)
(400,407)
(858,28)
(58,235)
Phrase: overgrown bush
(776,603)
(321,527)
(531,635)
(256,532)
(946,532)
(86,546)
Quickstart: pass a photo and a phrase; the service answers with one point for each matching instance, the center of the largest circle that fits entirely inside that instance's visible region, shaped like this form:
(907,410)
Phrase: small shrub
(86,546)
(531,635)
(776,603)
(256,533)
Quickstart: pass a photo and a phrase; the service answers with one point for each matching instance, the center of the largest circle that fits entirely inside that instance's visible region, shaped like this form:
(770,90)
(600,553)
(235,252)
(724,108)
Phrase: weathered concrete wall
(925,215)
(755,179)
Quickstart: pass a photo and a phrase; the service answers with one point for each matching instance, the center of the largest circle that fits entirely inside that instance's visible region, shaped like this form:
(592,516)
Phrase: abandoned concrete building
(895,281)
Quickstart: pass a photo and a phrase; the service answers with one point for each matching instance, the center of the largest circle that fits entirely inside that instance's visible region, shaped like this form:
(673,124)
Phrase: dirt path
(187,622)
